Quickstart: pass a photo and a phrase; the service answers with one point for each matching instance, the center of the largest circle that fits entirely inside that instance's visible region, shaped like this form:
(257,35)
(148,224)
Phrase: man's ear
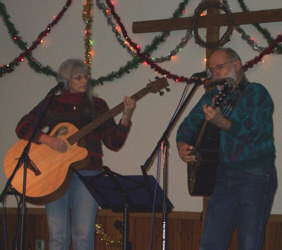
(238,65)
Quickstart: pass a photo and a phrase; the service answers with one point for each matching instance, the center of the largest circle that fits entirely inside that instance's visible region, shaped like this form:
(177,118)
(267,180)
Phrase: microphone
(61,85)
(224,81)
(204,74)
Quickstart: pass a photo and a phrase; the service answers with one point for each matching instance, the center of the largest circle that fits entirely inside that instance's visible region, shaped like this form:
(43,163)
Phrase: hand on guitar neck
(213,115)
(129,106)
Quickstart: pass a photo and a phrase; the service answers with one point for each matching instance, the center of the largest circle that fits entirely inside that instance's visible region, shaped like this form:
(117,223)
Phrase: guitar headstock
(226,88)
(157,85)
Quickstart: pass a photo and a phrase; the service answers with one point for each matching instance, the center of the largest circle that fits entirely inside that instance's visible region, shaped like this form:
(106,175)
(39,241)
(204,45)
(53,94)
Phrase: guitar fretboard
(152,87)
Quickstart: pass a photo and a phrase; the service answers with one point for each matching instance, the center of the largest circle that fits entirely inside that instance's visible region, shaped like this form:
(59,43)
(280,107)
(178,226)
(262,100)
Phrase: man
(246,176)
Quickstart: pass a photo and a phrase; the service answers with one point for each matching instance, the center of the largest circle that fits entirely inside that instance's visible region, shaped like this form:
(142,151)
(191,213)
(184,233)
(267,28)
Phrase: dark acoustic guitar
(201,174)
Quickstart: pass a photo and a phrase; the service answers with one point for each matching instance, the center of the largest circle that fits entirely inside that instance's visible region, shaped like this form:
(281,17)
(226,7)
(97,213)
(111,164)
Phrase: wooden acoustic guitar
(202,173)
(48,172)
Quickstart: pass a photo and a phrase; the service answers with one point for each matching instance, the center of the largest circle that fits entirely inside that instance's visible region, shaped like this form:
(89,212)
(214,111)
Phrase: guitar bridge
(30,164)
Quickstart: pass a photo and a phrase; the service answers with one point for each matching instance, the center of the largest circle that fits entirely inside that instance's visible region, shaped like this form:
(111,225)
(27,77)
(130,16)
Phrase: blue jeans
(73,216)
(241,198)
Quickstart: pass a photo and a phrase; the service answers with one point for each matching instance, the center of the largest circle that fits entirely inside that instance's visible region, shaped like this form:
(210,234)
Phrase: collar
(69,97)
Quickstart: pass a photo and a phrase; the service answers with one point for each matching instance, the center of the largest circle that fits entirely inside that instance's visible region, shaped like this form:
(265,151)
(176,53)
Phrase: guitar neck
(104,117)
(201,134)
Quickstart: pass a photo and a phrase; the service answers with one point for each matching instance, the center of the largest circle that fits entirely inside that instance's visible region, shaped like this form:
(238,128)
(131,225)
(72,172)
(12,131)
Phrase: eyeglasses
(219,66)
(80,76)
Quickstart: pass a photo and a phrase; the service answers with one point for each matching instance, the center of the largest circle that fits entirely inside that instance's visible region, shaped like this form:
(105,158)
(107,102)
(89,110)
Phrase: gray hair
(232,55)
(70,67)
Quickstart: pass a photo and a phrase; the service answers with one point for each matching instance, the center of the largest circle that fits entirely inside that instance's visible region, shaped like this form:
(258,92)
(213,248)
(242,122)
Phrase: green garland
(132,64)
(262,30)
(33,63)
(47,70)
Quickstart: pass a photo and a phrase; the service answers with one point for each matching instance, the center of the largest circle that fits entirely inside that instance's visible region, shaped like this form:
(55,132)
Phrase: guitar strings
(226,108)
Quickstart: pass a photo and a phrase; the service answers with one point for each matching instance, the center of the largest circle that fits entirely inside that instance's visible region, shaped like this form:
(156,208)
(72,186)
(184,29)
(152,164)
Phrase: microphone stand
(25,161)
(163,139)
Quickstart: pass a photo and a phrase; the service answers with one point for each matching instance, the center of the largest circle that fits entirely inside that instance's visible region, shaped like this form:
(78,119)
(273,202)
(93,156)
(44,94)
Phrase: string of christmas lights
(87,17)
(263,31)
(267,51)
(144,57)
(166,73)
(47,70)
(27,50)
(14,35)
(116,30)
(134,63)
(250,41)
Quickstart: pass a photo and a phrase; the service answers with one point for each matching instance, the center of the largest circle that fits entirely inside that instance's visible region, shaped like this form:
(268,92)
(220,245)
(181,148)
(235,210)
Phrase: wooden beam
(213,33)
(248,17)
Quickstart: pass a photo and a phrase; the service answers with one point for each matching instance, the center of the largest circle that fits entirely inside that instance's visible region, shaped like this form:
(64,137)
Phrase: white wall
(24,88)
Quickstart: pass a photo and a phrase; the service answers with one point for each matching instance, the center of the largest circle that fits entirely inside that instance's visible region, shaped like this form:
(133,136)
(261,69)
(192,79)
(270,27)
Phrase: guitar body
(52,174)
(202,173)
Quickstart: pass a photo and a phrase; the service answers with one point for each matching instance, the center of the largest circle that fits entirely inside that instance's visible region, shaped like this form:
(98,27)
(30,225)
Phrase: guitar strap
(86,116)
(86,111)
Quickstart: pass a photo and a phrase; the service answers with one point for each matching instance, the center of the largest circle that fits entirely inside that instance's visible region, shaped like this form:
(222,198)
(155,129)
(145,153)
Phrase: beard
(232,75)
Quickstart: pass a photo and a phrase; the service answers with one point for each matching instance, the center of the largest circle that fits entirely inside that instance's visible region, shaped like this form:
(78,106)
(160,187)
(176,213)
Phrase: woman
(73,214)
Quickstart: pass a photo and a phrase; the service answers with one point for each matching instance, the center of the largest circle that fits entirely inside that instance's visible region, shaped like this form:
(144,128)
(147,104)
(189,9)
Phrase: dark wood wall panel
(183,230)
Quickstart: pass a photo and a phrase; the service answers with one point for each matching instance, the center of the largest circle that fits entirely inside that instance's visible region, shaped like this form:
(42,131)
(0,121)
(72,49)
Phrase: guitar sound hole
(61,131)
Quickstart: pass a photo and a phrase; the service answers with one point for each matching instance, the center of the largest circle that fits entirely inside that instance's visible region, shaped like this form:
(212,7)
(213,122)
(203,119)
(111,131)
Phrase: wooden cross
(212,22)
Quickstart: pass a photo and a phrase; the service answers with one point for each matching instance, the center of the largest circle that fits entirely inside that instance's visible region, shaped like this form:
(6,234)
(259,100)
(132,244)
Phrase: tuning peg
(157,77)
(167,89)
(161,93)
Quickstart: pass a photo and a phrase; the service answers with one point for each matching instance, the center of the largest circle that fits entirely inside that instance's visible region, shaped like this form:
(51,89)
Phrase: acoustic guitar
(48,171)
(201,174)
